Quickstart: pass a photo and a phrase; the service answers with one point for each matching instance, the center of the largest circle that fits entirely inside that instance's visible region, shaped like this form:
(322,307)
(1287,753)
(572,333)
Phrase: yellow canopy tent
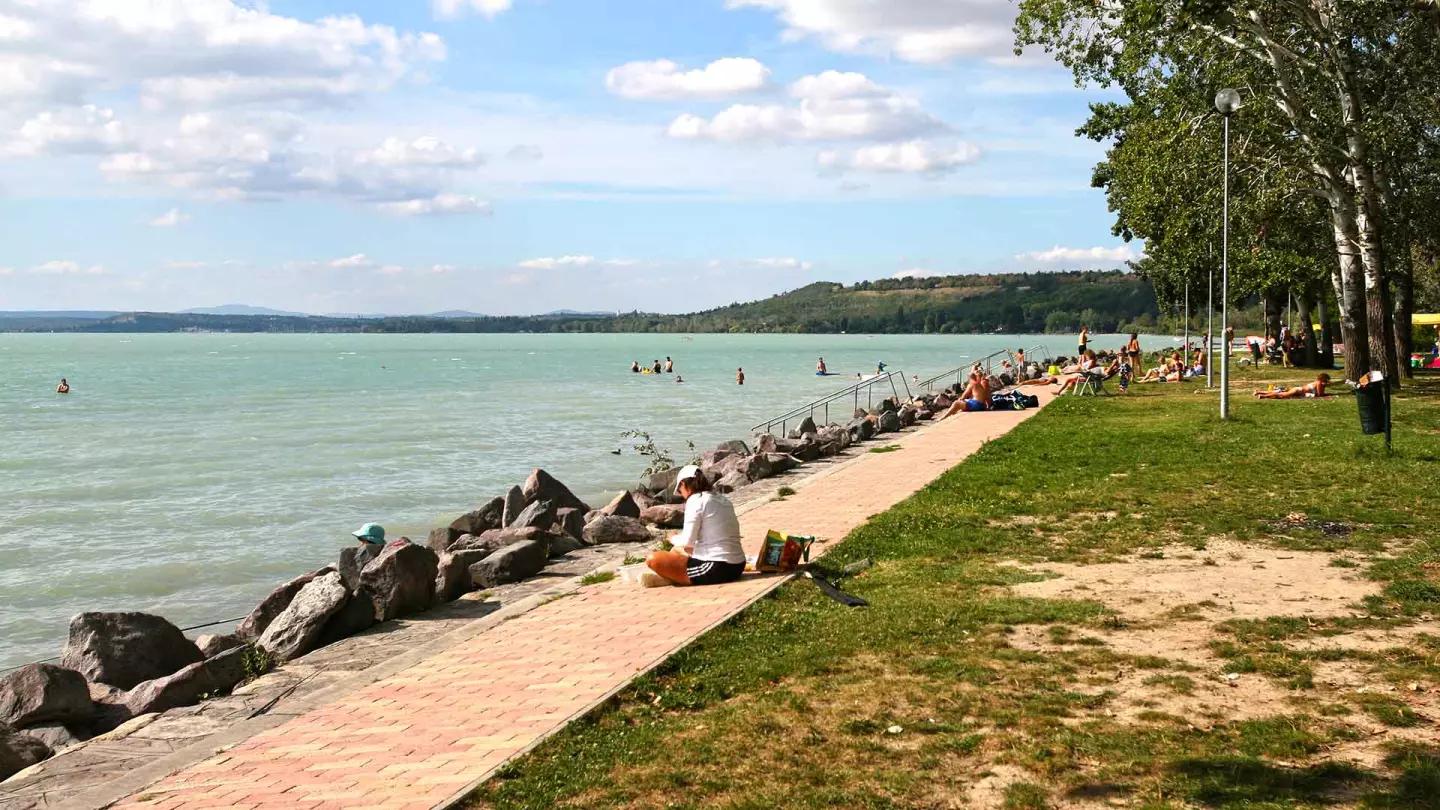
(1425,320)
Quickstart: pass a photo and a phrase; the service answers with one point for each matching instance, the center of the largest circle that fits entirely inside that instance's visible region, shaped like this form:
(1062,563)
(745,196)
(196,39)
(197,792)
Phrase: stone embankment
(123,669)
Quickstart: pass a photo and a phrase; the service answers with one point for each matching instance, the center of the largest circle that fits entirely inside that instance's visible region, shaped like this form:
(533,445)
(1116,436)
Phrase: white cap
(686,473)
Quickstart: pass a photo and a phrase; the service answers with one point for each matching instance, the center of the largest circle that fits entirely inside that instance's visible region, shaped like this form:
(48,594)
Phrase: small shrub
(597,577)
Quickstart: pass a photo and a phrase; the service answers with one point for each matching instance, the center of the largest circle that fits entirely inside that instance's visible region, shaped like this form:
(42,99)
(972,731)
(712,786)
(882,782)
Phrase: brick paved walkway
(427,735)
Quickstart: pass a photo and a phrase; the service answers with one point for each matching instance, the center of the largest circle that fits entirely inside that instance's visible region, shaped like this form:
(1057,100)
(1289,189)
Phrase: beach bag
(783,552)
(1030,401)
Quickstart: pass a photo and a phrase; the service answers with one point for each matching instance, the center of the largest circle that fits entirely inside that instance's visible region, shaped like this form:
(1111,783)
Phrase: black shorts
(1080,349)
(705,572)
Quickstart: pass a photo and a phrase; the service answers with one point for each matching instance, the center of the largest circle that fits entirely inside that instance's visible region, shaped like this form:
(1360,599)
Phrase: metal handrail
(823,404)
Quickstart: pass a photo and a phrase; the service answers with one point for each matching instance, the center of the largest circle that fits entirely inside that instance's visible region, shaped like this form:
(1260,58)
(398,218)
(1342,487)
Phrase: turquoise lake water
(187,475)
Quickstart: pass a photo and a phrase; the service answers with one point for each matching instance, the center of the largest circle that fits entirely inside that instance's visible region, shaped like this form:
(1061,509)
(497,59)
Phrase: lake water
(188,474)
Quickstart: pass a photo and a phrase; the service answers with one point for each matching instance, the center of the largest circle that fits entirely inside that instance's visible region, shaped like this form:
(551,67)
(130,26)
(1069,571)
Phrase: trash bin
(1374,407)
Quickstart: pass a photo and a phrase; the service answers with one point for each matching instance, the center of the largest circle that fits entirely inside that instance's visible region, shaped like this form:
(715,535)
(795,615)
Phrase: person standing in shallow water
(739,376)
(63,387)
(635,366)
(669,366)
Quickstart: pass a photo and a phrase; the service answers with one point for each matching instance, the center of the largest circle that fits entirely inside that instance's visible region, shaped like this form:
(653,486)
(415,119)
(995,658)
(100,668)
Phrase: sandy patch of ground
(1245,581)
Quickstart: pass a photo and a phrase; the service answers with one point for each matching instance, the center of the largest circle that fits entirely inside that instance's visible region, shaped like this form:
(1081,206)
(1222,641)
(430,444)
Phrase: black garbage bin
(1373,417)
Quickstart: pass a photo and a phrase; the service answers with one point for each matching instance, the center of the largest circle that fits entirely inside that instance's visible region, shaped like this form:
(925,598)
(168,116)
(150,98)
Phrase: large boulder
(357,616)
(730,482)
(56,736)
(766,443)
(889,422)
(198,681)
(487,517)
(643,501)
(623,505)
(211,646)
(353,560)
(124,649)
(571,522)
(273,605)
(664,517)
(662,483)
(538,515)
(542,486)
(452,578)
(735,446)
(780,462)
(862,430)
(497,539)
(19,751)
(807,449)
(44,693)
(805,428)
(615,529)
(562,544)
(513,563)
(757,467)
(710,458)
(228,669)
(401,581)
(441,539)
(515,503)
(293,633)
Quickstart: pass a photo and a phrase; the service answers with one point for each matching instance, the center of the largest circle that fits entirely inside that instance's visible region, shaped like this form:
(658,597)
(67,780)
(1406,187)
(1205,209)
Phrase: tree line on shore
(1335,153)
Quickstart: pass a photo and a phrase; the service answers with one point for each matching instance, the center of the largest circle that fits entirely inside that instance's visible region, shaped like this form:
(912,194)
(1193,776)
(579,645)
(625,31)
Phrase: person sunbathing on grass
(976,397)
(1314,390)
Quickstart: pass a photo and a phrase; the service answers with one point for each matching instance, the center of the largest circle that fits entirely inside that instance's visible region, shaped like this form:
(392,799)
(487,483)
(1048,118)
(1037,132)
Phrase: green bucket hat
(371,533)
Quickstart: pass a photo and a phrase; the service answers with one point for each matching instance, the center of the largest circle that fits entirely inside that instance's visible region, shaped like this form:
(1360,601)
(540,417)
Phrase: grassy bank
(939,696)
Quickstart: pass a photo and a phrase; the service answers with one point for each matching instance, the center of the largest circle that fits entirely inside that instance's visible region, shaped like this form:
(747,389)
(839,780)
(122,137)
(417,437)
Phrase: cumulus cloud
(359,260)
(927,31)
(439,205)
(548,263)
(664,80)
(70,131)
(782,264)
(170,219)
(1094,255)
(425,152)
(66,267)
(912,157)
(830,106)
(450,9)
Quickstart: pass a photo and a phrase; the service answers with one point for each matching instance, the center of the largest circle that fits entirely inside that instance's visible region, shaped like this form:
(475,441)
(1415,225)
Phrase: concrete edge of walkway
(135,782)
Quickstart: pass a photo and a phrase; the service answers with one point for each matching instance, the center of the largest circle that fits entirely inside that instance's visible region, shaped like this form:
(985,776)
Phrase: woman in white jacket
(707,551)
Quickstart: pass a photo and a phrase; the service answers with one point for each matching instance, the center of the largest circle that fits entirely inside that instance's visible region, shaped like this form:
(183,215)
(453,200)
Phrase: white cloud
(70,131)
(455,8)
(66,267)
(439,205)
(170,219)
(359,260)
(916,272)
(185,265)
(912,30)
(1094,255)
(913,157)
(831,106)
(552,263)
(424,152)
(783,264)
(664,80)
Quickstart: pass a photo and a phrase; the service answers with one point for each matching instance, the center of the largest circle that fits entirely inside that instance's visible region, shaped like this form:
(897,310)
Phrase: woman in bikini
(1314,390)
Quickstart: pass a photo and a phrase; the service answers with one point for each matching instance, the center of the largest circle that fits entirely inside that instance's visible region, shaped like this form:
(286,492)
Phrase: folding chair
(1091,383)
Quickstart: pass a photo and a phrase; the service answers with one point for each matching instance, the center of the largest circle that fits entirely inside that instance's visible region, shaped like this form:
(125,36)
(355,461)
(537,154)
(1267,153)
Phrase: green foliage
(255,662)
(597,577)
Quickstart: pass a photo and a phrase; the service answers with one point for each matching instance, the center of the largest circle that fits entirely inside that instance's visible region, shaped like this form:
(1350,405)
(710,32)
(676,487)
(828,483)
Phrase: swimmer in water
(655,369)
(820,367)
(64,387)
(739,376)
(879,368)
(679,379)
(635,366)
(669,366)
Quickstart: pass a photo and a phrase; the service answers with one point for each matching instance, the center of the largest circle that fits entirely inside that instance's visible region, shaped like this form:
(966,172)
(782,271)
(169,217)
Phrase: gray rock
(624,505)
(860,413)
(354,559)
(440,540)
(124,649)
(228,669)
(757,467)
(942,403)
(571,523)
(487,517)
(211,646)
(735,446)
(55,736)
(615,529)
(401,581)
(43,693)
(452,578)
(562,544)
(664,517)
(19,751)
(766,443)
(805,428)
(779,462)
(293,632)
(497,539)
(805,450)
(272,606)
(731,482)
(662,482)
(889,404)
(862,430)
(513,563)
(542,486)
(889,422)
(184,688)
(924,415)
(514,504)
(710,458)
(538,515)
(110,709)
(643,501)
(357,616)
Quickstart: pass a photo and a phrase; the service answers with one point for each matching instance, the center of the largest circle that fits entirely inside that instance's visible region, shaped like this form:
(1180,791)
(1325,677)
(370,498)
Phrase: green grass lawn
(802,703)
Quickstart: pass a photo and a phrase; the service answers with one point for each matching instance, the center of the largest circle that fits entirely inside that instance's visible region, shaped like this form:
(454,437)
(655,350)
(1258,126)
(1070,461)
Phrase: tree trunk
(1349,283)
(1404,278)
(1327,327)
(1310,357)
(1273,308)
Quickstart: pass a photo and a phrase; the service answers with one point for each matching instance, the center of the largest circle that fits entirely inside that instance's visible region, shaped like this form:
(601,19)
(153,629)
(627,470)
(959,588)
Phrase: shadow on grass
(1247,782)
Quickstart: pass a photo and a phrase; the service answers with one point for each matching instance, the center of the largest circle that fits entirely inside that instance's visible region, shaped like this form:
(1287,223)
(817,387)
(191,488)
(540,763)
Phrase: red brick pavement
(421,738)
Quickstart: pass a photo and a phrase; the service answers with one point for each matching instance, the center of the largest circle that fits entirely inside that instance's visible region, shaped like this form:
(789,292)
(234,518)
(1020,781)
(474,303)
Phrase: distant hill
(240,309)
(1005,303)
(457,313)
(30,314)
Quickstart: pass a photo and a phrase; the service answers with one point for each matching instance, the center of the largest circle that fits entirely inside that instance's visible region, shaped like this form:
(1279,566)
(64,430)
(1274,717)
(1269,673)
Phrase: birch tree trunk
(1404,278)
(1308,342)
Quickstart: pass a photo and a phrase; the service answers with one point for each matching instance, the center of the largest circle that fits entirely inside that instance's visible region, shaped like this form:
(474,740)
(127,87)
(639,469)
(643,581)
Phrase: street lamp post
(1227,101)
(1210,321)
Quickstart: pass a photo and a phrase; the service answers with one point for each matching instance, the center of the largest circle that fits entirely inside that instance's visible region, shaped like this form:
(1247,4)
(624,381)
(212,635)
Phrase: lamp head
(1227,101)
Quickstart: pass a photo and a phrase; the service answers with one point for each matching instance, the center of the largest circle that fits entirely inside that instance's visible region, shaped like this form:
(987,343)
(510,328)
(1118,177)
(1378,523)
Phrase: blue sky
(516,156)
